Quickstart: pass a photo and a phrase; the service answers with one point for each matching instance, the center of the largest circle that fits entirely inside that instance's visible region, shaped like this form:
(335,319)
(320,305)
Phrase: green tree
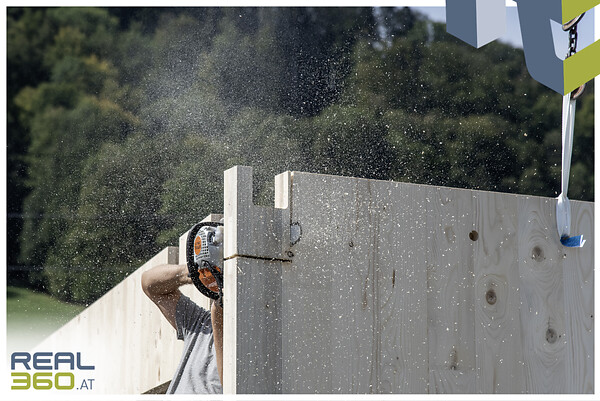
(115,221)
(121,121)
(267,141)
(67,118)
(193,188)
(27,34)
(350,141)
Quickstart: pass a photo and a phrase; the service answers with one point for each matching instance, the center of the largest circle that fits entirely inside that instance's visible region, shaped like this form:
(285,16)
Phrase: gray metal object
(208,246)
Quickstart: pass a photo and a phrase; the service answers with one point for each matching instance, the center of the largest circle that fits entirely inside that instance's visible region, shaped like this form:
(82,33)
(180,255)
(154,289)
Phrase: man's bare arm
(161,284)
(216,313)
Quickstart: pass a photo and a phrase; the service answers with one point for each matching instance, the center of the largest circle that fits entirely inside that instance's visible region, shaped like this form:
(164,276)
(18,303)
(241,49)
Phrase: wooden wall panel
(450,294)
(360,327)
(124,335)
(541,292)
(257,340)
(256,246)
(498,344)
(380,287)
(578,276)
(402,288)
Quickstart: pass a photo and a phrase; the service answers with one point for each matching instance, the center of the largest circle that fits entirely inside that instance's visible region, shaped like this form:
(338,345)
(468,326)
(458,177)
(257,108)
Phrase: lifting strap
(563,208)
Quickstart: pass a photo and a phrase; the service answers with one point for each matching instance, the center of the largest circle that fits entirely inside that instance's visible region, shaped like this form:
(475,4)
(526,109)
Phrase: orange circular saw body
(205,275)
(208,279)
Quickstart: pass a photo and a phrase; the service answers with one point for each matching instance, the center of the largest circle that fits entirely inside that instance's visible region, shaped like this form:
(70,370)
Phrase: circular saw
(204,254)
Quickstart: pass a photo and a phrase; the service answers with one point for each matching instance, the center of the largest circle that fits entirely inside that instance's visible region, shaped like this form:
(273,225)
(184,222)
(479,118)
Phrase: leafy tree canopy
(122,120)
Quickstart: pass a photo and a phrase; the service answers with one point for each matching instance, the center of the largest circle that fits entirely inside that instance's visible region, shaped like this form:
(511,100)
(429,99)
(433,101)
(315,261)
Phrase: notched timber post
(261,232)
(257,243)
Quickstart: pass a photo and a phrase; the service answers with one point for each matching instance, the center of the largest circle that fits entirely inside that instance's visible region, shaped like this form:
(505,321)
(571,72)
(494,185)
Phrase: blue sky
(513,30)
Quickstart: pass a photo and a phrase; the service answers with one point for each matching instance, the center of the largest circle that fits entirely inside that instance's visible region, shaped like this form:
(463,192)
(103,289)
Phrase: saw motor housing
(205,258)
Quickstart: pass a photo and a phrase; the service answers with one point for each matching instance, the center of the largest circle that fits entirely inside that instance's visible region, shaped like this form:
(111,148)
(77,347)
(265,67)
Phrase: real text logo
(52,371)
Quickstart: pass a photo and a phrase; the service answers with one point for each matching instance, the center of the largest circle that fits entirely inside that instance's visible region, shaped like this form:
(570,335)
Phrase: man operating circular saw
(200,369)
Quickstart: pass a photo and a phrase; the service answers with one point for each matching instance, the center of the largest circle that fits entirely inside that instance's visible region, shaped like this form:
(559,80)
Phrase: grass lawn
(32,316)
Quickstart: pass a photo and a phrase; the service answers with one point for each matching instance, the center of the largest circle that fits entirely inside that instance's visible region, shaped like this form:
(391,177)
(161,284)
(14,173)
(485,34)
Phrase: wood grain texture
(123,331)
(257,242)
(450,297)
(258,327)
(578,276)
(401,288)
(541,292)
(499,349)
(352,316)
(230,320)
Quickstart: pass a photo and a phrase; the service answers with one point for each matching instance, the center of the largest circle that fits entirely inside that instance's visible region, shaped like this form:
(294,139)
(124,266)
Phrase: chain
(571,26)
(572,41)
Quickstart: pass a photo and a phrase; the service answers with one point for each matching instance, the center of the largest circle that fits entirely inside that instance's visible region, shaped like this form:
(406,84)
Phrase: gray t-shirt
(197,371)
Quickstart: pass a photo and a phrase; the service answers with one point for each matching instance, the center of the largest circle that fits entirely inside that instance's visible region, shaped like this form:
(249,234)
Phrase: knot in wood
(551,335)
(537,254)
(490,297)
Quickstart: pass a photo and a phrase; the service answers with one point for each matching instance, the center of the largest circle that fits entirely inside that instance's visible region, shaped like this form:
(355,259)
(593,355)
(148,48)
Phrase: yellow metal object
(573,8)
(581,67)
